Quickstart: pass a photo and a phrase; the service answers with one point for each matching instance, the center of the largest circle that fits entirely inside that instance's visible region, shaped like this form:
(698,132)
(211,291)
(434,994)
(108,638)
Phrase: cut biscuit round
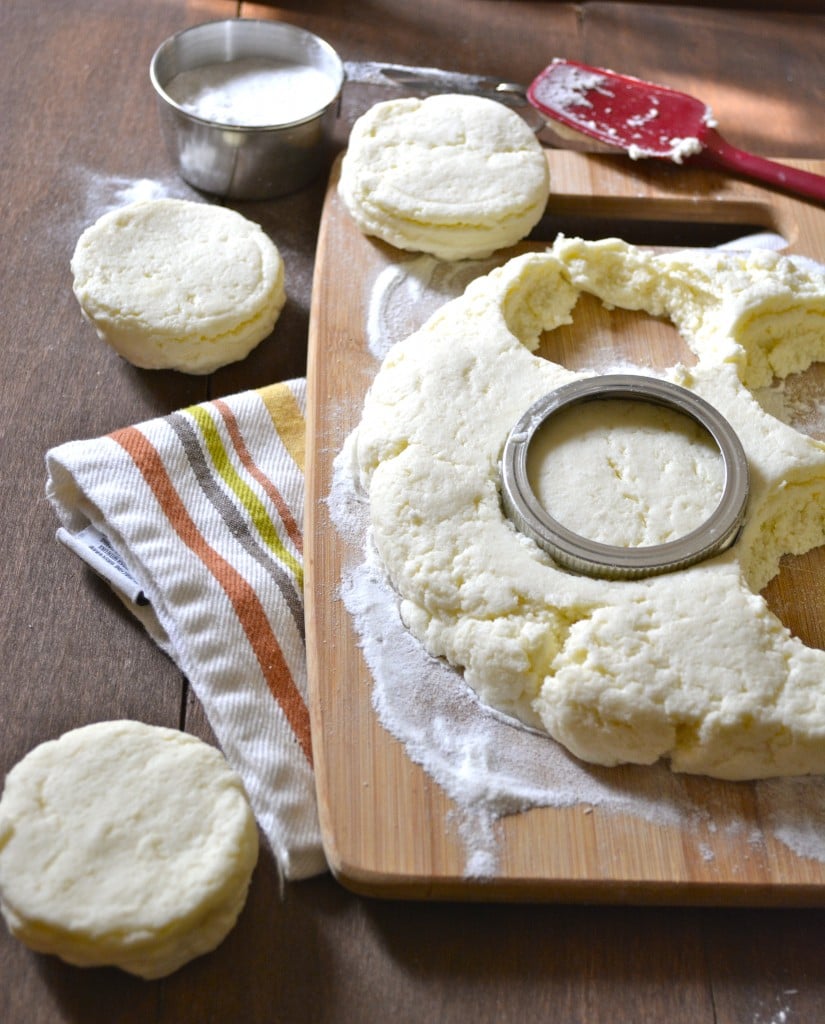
(178,285)
(127,845)
(457,177)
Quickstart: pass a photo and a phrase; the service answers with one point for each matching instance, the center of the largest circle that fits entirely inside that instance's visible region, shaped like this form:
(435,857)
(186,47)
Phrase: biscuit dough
(691,666)
(124,844)
(454,176)
(178,285)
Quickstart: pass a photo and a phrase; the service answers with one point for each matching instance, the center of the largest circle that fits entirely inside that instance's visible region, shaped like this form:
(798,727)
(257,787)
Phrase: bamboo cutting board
(389,830)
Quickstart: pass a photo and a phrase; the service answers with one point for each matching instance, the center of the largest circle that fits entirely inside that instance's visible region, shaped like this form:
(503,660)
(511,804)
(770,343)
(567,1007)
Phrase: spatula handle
(790,179)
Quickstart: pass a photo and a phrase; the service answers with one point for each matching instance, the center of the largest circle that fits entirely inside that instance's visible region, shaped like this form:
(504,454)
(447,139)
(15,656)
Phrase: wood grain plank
(763,101)
(486,37)
(60,381)
(80,132)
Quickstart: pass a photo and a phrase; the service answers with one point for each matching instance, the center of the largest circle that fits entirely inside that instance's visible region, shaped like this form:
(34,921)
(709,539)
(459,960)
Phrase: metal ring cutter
(593,558)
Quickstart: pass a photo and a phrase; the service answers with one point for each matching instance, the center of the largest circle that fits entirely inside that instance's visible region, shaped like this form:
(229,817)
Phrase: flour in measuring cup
(252,92)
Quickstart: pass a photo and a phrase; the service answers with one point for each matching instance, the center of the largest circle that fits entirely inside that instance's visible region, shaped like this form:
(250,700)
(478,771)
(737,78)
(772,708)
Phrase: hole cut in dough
(602,339)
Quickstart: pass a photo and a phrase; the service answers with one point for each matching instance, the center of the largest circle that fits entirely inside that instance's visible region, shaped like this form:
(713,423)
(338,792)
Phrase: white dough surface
(124,844)
(691,667)
(454,176)
(180,285)
(657,471)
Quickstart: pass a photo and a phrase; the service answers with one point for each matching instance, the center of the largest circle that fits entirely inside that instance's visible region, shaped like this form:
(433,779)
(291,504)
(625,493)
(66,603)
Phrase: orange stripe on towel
(244,600)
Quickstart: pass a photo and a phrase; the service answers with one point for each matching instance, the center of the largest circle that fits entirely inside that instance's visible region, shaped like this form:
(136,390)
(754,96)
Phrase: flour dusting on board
(406,294)
(489,765)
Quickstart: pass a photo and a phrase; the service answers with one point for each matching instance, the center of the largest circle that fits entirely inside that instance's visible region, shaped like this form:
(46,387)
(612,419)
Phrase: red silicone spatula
(650,120)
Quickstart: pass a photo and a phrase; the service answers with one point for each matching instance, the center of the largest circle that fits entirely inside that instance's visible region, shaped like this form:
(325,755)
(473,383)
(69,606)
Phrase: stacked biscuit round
(454,176)
(180,285)
(124,844)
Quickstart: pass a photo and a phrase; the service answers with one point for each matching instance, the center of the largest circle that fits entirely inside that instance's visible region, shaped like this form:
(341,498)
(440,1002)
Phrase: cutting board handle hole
(667,224)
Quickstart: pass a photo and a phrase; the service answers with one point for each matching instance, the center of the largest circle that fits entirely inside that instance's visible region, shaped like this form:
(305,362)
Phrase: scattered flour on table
(109,192)
(782,1015)
(90,193)
(799,400)
(487,763)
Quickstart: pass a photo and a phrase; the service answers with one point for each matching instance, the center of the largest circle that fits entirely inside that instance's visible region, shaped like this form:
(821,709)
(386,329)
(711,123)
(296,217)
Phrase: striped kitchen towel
(195,520)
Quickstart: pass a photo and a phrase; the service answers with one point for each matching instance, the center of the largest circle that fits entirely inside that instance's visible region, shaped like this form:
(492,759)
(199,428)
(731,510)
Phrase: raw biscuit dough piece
(691,666)
(454,176)
(124,844)
(178,285)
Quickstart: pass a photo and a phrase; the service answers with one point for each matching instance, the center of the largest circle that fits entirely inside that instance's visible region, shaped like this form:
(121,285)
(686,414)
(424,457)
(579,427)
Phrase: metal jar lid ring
(593,558)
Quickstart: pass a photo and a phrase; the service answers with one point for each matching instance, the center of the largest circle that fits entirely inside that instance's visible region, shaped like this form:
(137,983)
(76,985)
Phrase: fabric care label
(97,552)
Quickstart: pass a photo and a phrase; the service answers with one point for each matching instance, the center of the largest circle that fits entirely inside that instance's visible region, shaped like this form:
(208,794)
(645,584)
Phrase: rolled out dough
(691,666)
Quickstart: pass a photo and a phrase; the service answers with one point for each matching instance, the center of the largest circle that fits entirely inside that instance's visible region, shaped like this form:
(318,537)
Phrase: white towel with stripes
(195,519)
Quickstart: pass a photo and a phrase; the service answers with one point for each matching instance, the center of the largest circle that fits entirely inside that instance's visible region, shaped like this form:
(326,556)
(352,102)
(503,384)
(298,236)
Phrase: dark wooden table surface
(79,133)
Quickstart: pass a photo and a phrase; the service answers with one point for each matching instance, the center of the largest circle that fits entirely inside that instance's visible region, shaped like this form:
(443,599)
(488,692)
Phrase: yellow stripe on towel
(288,420)
(250,501)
